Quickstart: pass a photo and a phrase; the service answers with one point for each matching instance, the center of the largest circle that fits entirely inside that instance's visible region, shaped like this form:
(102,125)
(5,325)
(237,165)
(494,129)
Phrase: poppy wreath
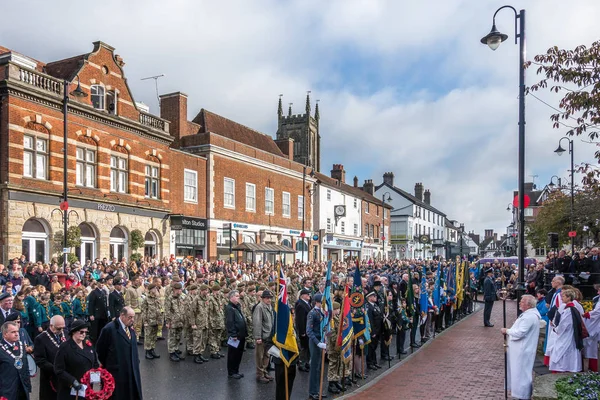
(108,385)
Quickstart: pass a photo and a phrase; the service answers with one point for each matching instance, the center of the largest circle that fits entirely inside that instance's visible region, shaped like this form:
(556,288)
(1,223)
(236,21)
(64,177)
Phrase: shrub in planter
(579,386)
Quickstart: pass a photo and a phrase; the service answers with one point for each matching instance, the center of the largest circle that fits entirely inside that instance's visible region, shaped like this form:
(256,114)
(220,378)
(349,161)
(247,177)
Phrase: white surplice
(564,356)
(590,349)
(522,340)
(556,301)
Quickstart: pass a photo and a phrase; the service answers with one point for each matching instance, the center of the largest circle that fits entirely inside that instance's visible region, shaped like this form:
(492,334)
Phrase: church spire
(280,107)
(317,115)
(308,103)
(290,110)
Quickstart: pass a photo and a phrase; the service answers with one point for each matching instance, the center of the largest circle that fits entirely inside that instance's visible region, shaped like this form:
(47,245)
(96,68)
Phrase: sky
(407,83)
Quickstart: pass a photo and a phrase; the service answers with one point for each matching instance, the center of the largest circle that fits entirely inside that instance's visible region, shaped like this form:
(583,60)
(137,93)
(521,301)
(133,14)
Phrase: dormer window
(98,97)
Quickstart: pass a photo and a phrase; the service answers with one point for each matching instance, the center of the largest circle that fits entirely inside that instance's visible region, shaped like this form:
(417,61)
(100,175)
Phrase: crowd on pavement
(104,308)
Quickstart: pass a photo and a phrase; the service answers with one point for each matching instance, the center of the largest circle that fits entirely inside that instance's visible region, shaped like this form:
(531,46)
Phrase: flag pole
(287,393)
(322,370)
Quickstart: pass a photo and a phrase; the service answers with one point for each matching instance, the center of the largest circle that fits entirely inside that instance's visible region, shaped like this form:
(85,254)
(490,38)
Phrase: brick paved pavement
(464,362)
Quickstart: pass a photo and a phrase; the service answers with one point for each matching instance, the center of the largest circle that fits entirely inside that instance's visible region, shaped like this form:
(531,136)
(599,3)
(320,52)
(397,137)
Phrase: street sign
(403,249)
(65,250)
(315,237)
(572,233)
(226,225)
(526,200)
(64,205)
(302,235)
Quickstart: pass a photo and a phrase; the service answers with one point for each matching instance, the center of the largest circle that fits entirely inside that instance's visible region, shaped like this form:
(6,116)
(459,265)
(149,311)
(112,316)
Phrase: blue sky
(407,83)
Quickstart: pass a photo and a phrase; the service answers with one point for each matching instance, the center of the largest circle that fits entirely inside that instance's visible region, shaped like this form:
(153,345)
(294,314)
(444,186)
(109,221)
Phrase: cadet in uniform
(199,321)
(152,315)
(116,301)
(189,320)
(317,346)
(216,322)
(133,299)
(175,318)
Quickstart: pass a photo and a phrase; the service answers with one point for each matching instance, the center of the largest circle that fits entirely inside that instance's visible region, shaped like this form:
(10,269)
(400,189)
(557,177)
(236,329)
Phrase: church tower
(304,130)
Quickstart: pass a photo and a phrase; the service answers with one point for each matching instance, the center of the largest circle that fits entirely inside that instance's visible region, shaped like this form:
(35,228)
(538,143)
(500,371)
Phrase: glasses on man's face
(84,332)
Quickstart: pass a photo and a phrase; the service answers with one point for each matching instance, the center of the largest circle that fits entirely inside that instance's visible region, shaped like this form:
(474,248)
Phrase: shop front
(341,249)
(189,236)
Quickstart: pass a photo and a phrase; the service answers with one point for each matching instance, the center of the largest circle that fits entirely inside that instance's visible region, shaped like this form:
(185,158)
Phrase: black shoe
(221,355)
(414,345)
(173,357)
(149,355)
(402,352)
(352,381)
(301,368)
(489,325)
(339,386)
(313,396)
(236,376)
(198,360)
(323,395)
(215,356)
(332,388)
(387,358)
(377,366)
(250,346)
(360,376)
(154,354)
(372,367)
(204,359)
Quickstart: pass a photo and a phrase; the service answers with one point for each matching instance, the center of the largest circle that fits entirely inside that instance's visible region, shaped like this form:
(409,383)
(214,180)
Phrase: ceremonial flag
(436,287)
(360,319)
(346,331)
(284,337)
(410,295)
(451,277)
(423,302)
(326,305)
(460,283)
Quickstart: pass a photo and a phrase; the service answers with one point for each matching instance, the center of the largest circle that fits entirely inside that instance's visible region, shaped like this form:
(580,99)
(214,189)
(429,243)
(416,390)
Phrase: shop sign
(179,222)
(106,207)
(293,232)
(240,226)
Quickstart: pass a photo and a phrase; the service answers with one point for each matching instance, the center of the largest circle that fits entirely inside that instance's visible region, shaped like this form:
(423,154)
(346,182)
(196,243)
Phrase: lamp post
(303,234)
(493,40)
(461,230)
(552,184)
(65,204)
(384,199)
(560,152)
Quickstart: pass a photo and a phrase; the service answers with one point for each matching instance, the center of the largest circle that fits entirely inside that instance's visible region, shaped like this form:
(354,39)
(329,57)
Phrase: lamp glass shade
(551,184)
(559,150)
(494,38)
(78,92)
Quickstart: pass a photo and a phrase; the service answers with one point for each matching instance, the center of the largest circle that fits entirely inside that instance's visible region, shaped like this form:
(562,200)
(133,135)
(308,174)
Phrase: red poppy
(88,343)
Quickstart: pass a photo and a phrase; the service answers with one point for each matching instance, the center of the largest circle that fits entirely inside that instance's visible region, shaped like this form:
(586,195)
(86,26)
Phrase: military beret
(266,293)
(117,281)
(318,298)
(241,285)
(216,287)
(304,291)
(261,288)
(336,305)
(4,296)
(222,284)
(203,287)
(192,287)
(176,285)
(151,286)
(372,294)
(226,290)
(176,278)
(251,288)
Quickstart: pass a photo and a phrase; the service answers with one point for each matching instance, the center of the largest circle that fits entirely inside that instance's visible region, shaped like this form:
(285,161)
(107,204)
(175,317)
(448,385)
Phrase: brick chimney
(287,147)
(388,178)
(356,181)
(369,187)
(338,173)
(489,233)
(419,191)
(427,197)
(173,108)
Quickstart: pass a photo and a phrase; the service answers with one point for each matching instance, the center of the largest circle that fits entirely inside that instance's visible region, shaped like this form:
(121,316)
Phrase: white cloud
(407,83)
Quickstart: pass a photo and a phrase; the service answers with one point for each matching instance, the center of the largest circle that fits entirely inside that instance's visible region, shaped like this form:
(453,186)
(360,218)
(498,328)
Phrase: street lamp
(303,235)
(493,40)
(65,205)
(461,230)
(384,199)
(560,152)
(552,184)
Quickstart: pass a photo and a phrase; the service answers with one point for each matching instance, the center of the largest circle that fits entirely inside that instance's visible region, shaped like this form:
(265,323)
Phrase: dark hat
(372,294)
(318,298)
(215,287)
(176,285)
(78,325)
(203,287)
(489,270)
(100,280)
(12,317)
(192,287)
(151,286)
(304,291)
(117,281)
(376,283)
(266,293)
(4,296)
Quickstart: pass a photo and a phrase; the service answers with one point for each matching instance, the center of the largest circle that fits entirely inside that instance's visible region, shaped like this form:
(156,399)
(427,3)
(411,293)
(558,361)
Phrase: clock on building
(339,211)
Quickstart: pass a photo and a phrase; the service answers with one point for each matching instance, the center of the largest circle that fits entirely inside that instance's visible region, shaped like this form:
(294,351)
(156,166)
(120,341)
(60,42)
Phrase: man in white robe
(522,340)
(556,303)
(565,355)
(592,323)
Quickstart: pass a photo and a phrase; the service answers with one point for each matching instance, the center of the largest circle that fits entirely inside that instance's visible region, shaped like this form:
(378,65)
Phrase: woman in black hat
(75,357)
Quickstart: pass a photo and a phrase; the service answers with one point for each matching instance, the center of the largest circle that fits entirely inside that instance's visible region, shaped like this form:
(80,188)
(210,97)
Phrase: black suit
(70,364)
(14,383)
(403,288)
(376,320)
(98,308)
(301,310)
(2,319)
(489,296)
(116,302)
(119,355)
(44,352)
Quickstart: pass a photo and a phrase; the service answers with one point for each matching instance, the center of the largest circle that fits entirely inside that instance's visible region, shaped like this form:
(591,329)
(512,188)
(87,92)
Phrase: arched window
(118,243)
(301,246)
(150,244)
(286,242)
(34,241)
(87,250)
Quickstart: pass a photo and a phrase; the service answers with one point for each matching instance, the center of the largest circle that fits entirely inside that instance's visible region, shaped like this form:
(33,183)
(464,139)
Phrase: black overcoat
(44,352)
(11,378)
(70,364)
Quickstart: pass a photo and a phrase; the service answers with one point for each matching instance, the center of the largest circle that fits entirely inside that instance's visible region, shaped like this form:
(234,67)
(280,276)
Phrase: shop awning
(263,248)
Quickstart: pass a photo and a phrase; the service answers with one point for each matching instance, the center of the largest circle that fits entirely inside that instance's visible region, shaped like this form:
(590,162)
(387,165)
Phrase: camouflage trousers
(250,337)
(137,325)
(200,339)
(150,335)
(160,325)
(214,339)
(336,367)
(189,339)
(175,337)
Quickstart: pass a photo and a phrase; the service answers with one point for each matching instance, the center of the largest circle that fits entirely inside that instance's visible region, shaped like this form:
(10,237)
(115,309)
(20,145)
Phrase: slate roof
(354,191)
(67,68)
(411,198)
(211,122)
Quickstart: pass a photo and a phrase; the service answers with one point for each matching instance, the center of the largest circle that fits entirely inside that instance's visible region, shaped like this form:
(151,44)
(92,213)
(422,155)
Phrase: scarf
(577,329)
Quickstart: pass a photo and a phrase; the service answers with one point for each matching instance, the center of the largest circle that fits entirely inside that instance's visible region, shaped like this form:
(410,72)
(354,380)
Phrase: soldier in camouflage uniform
(175,319)
(216,322)
(133,299)
(336,366)
(151,314)
(224,299)
(246,301)
(293,291)
(188,302)
(199,322)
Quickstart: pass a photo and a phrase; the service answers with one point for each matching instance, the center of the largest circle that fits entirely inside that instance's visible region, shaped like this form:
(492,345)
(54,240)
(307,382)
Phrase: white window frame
(342,227)
(98,93)
(152,182)
(355,203)
(329,225)
(528,212)
(119,176)
(85,170)
(228,196)
(35,158)
(250,197)
(300,207)
(190,192)
(355,229)
(286,205)
(366,207)
(328,194)
(269,201)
